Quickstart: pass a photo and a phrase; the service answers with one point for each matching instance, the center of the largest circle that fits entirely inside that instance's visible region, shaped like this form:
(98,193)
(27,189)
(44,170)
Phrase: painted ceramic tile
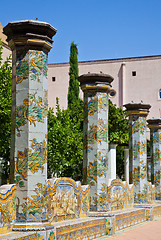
(7,207)
(96,148)
(34,206)
(138,157)
(33,63)
(33,110)
(31,159)
(67,199)
(156,160)
(120,195)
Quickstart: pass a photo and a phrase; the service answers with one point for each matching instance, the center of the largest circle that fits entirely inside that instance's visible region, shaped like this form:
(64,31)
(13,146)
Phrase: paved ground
(144,231)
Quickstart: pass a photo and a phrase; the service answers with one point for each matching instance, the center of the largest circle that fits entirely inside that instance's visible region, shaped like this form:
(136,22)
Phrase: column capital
(113,145)
(126,149)
(154,123)
(98,82)
(141,109)
(29,34)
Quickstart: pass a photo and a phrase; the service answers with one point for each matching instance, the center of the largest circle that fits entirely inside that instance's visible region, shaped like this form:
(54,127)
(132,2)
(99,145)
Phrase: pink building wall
(144,86)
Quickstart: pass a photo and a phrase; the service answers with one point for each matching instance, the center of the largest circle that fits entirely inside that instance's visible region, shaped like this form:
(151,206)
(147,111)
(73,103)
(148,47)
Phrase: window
(53,79)
(133,73)
(159,93)
(112,93)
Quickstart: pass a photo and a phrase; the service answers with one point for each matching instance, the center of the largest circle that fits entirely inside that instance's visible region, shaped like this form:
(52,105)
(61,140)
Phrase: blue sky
(102,29)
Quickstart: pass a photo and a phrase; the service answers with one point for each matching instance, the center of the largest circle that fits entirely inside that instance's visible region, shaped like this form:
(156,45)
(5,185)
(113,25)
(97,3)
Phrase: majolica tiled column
(95,159)
(30,42)
(155,138)
(138,149)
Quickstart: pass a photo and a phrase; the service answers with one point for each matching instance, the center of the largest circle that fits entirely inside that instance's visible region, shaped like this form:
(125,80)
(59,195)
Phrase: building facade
(6,50)
(135,79)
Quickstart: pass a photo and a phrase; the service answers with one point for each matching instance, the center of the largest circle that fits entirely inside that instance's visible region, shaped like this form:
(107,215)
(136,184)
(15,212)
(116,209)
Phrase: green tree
(118,133)
(118,125)
(65,142)
(65,139)
(73,90)
(65,129)
(5,114)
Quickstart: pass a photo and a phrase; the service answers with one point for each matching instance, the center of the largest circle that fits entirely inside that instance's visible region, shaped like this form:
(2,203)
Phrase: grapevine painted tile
(22,68)
(139,126)
(38,65)
(103,102)
(102,164)
(34,206)
(33,63)
(139,148)
(92,173)
(98,132)
(31,159)
(101,198)
(92,106)
(34,109)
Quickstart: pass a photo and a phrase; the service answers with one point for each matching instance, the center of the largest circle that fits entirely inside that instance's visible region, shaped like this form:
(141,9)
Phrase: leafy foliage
(73,90)
(65,129)
(118,133)
(118,125)
(5,114)
(65,139)
(65,142)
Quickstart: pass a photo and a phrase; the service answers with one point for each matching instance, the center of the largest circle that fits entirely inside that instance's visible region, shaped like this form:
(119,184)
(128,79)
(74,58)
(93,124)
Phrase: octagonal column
(30,42)
(155,144)
(95,159)
(138,149)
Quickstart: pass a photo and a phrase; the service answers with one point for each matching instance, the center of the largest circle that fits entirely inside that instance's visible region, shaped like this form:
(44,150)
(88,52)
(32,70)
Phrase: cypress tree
(73,90)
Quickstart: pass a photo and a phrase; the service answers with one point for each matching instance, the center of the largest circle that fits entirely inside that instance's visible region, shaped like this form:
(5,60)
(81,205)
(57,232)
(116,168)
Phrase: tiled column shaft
(138,149)
(155,138)
(95,159)
(126,164)
(30,42)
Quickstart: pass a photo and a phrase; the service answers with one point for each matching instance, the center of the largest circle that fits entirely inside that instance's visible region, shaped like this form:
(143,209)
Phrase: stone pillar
(30,42)
(138,149)
(155,144)
(126,164)
(95,155)
(112,163)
